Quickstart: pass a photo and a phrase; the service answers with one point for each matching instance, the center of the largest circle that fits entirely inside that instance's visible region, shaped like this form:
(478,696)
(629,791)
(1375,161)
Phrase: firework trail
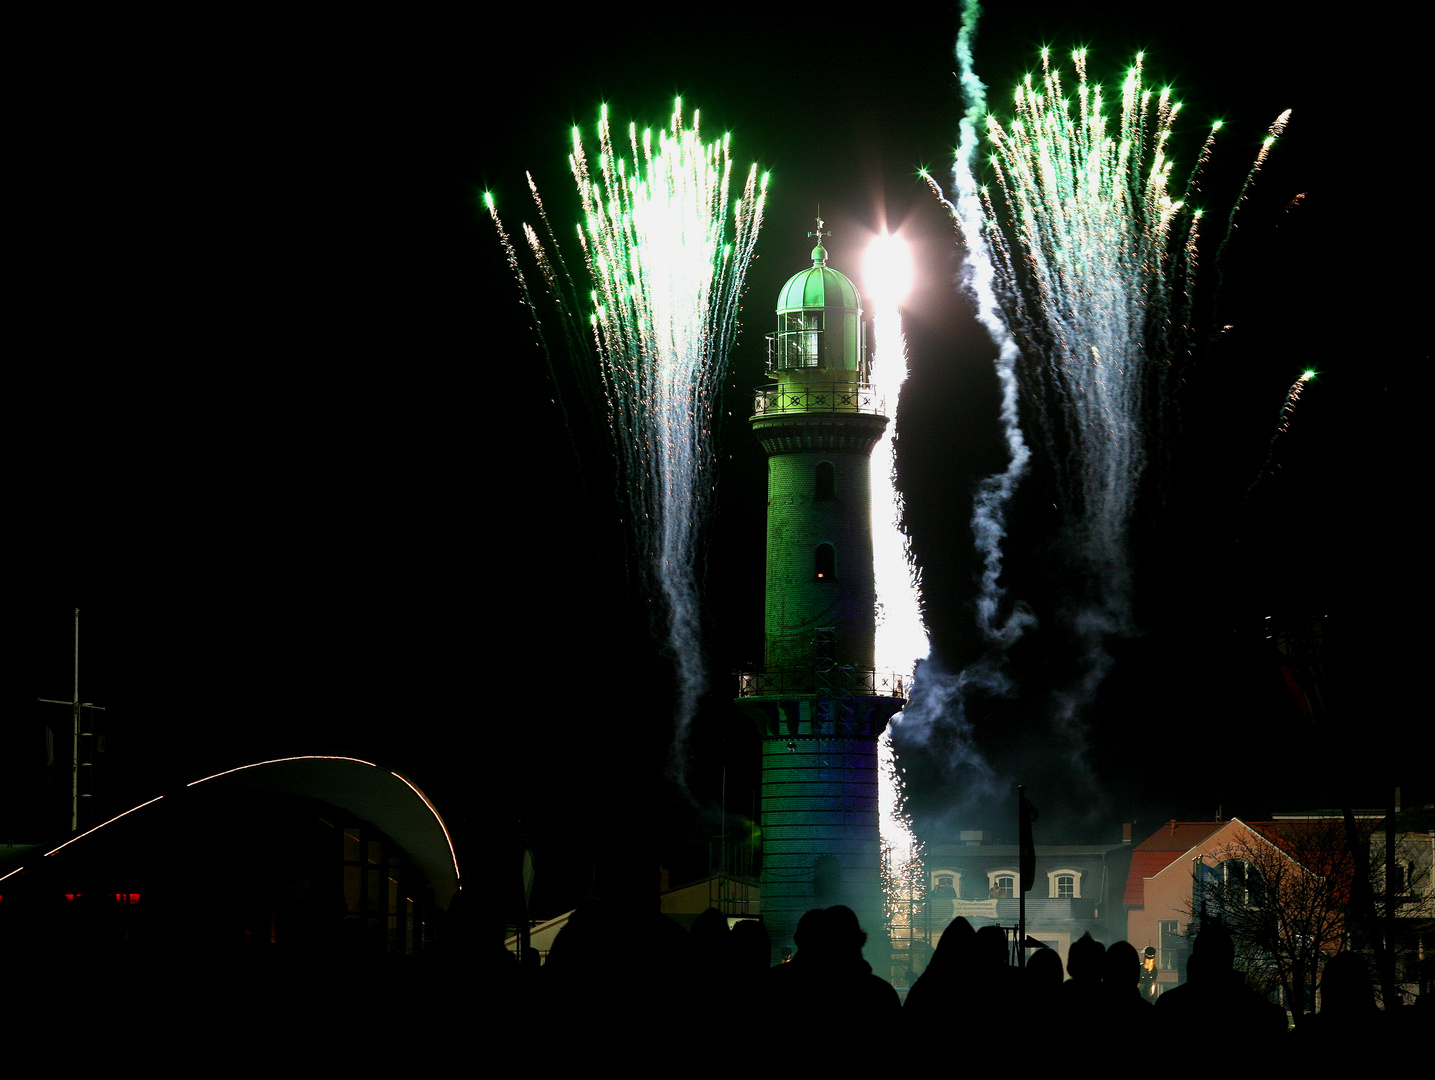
(1283,423)
(901,640)
(517,271)
(667,251)
(989,511)
(1275,131)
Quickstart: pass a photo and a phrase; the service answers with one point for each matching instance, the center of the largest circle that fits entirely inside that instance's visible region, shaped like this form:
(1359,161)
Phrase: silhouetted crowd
(605,985)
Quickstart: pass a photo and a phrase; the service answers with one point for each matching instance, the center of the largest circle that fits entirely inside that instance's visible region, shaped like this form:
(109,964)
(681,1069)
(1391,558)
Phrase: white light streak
(901,637)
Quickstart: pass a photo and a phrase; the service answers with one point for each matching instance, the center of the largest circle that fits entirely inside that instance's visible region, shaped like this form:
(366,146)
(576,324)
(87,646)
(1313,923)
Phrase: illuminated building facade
(1076,889)
(819,705)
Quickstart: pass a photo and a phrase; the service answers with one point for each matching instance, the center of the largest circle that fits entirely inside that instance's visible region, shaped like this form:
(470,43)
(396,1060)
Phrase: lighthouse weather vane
(77,732)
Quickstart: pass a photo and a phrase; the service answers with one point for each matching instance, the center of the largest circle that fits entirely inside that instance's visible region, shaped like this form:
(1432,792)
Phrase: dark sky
(288,441)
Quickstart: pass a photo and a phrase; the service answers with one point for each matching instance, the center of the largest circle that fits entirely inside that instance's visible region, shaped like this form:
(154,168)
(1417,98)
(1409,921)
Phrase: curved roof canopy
(377,795)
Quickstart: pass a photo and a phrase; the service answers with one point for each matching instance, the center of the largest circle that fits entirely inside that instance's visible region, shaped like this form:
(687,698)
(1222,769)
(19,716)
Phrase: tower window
(826,481)
(825,563)
(800,340)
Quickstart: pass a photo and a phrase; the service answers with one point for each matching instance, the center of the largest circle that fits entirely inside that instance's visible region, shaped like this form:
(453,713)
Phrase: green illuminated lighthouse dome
(818,286)
(819,317)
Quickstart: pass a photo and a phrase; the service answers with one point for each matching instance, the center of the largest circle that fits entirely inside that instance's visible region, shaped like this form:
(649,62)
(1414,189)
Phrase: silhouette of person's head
(957,937)
(1213,954)
(751,947)
(1345,985)
(808,934)
(989,948)
(1044,968)
(1083,959)
(1121,965)
(842,930)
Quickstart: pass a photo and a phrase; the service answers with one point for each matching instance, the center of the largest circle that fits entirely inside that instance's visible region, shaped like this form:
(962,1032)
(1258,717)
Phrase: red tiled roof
(1319,844)
(1155,853)
(1159,850)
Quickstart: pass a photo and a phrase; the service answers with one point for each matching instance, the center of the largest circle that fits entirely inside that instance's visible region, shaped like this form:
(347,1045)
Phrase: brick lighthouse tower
(819,705)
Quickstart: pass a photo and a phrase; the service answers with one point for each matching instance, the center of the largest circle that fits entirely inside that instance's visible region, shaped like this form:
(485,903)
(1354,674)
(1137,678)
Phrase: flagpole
(1024,878)
(1026,814)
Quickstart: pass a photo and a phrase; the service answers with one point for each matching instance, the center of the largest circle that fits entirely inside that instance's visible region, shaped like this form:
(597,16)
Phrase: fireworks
(667,249)
(1092,253)
(1095,262)
(1081,263)
(1283,422)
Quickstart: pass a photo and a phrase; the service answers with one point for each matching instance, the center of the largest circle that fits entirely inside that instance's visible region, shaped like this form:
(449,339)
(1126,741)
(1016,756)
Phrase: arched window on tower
(825,563)
(825,486)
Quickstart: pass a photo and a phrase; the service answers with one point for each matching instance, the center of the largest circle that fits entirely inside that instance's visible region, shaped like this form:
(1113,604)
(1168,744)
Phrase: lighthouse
(818,702)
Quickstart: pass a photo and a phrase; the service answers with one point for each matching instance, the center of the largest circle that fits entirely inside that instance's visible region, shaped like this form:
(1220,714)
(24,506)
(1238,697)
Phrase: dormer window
(1002,883)
(947,883)
(1064,884)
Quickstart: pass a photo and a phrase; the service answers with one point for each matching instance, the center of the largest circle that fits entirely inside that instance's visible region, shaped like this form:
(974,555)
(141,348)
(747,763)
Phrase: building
(1408,856)
(819,705)
(1077,889)
(1284,889)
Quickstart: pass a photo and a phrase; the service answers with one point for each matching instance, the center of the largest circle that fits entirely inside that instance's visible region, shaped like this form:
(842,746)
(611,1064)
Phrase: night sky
(286,437)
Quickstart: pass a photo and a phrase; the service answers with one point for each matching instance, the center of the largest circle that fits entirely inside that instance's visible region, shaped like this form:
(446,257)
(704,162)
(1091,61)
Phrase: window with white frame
(1002,883)
(1064,884)
(1171,944)
(945,890)
(944,880)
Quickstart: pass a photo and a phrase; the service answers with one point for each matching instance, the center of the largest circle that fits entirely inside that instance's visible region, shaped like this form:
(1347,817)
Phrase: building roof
(1006,851)
(371,792)
(1176,839)
(1160,850)
(819,286)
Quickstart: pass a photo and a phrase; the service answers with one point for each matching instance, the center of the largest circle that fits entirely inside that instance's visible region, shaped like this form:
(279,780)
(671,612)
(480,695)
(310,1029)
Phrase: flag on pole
(1028,847)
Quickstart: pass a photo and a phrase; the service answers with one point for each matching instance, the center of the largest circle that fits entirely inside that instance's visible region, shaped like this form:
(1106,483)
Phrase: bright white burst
(901,638)
(667,249)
